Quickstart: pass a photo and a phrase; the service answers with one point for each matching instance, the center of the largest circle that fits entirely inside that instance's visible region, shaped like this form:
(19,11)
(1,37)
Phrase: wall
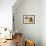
(6,13)
(6,16)
(30,31)
(43,22)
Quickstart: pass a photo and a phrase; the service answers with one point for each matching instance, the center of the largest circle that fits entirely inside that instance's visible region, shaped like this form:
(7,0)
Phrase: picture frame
(28,19)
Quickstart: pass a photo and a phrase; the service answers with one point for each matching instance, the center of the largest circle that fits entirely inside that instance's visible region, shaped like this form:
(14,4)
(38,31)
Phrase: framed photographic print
(29,19)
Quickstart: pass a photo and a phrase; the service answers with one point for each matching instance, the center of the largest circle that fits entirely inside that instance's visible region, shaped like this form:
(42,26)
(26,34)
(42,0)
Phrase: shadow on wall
(13,44)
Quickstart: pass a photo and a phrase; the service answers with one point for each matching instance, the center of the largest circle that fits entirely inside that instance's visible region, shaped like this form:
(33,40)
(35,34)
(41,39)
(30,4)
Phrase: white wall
(43,22)
(6,13)
(31,31)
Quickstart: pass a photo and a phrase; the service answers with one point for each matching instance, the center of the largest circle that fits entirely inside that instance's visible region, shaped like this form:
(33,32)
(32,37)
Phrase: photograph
(29,19)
